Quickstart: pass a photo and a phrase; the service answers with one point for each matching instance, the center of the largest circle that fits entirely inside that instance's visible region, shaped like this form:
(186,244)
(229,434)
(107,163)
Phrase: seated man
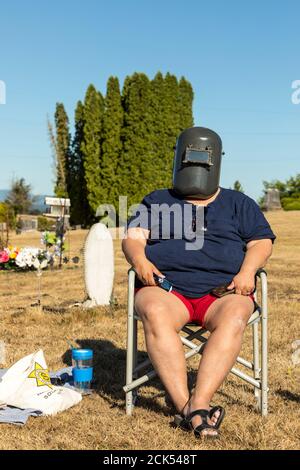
(216,238)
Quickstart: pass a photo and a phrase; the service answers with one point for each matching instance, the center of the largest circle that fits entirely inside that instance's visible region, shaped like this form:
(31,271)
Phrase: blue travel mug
(82,363)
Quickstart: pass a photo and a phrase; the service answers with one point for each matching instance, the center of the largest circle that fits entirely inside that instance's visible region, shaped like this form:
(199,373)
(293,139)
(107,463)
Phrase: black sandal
(180,420)
(185,423)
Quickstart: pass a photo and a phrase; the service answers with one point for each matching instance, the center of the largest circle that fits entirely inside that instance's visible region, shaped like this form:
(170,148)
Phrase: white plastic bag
(26,384)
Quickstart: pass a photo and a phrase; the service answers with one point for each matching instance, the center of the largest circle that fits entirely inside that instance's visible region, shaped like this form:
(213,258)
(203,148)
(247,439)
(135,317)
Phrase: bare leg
(226,319)
(163,316)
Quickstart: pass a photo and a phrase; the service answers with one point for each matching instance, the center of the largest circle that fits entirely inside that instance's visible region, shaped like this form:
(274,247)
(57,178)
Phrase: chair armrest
(260,271)
(262,275)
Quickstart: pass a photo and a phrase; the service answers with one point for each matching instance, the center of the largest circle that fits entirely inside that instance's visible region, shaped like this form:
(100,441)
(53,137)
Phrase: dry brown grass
(99,421)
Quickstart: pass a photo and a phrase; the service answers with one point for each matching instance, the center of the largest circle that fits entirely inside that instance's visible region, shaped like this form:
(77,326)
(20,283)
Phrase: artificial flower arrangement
(50,239)
(27,259)
(24,259)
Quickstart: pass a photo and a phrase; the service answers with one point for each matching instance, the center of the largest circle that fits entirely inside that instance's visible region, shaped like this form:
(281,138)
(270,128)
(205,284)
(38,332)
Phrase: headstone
(98,266)
(272,200)
(28,223)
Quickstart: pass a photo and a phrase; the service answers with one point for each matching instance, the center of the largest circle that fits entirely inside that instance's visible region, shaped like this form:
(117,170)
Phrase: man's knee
(238,321)
(235,317)
(151,311)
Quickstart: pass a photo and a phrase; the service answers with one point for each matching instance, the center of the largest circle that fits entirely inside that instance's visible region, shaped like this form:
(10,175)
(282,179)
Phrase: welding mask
(197,163)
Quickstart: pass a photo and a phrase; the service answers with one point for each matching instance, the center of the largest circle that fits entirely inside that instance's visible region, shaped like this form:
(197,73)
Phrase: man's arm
(258,252)
(134,250)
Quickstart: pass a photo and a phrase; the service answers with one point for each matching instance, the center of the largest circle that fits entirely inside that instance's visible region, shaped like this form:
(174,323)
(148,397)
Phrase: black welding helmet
(197,163)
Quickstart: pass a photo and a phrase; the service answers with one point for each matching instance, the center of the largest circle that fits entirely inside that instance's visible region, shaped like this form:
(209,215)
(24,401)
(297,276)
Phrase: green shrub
(286,200)
(294,205)
(44,224)
(7,215)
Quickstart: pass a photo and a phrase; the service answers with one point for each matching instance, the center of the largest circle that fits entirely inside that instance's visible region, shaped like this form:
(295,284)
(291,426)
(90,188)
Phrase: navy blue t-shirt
(229,223)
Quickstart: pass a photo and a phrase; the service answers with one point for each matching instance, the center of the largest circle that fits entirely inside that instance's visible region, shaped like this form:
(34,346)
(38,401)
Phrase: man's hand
(134,250)
(145,269)
(257,254)
(243,282)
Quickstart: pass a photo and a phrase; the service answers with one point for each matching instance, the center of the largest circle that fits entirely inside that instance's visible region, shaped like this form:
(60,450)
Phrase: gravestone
(98,266)
(27,223)
(272,200)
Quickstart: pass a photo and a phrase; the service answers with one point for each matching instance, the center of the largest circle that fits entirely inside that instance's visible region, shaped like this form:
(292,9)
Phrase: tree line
(122,144)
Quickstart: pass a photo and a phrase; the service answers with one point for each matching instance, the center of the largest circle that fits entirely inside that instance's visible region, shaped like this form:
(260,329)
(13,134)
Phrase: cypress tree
(80,210)
(62,151)
(135,173)
(159,141)
(171,123)
(91,145)
(186,96)
(175,114)
(112,144)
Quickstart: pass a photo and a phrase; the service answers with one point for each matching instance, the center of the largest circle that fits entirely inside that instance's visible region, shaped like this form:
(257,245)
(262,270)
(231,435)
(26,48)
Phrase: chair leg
(130,343)
(129,365)
(135,360)
(135,348)
(264,367)
(256,365)
(264,347)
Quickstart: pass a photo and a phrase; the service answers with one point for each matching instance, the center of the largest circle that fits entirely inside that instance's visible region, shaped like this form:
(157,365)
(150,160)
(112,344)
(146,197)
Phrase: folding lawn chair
(195,341)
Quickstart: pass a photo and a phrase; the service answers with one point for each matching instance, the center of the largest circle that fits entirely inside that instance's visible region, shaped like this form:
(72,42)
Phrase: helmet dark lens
(197,156)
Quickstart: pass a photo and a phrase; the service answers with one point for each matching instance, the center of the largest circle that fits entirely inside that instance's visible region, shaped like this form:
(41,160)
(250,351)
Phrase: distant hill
(38,204)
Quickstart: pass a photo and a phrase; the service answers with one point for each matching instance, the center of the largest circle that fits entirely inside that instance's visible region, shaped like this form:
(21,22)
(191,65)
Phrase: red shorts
(197,307)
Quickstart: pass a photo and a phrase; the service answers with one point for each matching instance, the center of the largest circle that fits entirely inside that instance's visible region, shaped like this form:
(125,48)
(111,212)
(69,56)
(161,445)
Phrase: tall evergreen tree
(171,113)
(186,96)
(135,173)
(91,145)
(61,151)
(19,198)
(160,148)
(171,123)
(80,210)
(112,144)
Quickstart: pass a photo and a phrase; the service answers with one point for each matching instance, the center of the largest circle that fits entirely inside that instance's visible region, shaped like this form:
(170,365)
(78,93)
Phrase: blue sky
(241,58)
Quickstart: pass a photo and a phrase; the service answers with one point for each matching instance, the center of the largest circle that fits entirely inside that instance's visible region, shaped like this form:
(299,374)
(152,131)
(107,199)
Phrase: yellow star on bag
(41,375)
